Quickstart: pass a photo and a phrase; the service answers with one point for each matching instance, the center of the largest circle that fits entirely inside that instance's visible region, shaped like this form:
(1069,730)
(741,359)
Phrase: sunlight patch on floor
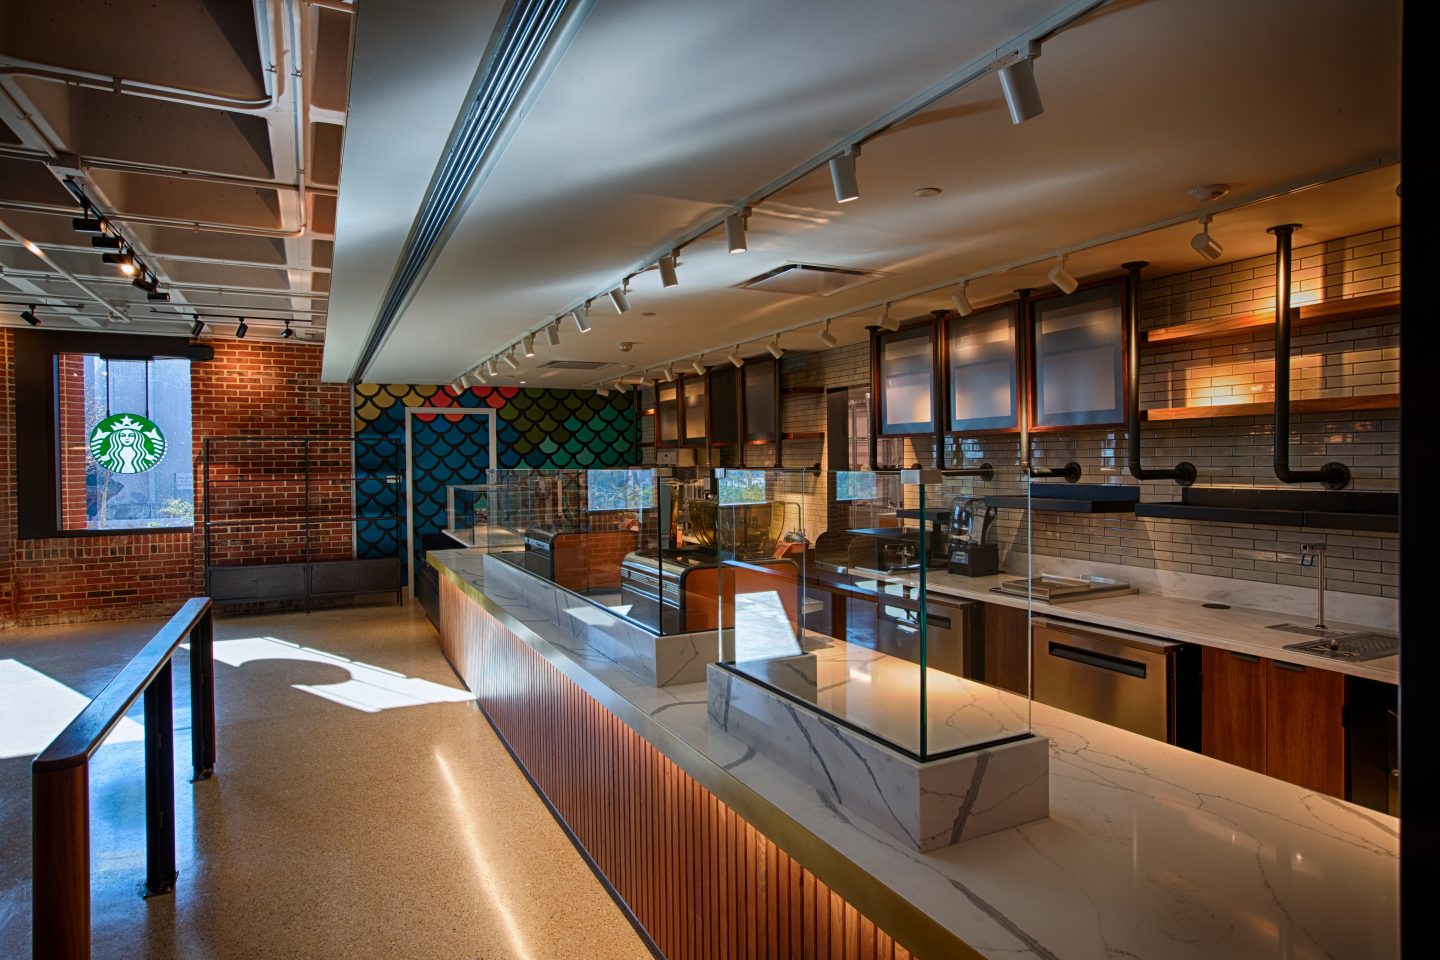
(34,708)
(370,689)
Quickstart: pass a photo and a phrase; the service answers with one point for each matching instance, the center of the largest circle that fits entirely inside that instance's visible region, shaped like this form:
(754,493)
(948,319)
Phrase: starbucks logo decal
(127,443)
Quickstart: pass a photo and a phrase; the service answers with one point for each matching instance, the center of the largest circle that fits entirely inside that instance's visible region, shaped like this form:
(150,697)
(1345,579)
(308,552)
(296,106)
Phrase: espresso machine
(973,552)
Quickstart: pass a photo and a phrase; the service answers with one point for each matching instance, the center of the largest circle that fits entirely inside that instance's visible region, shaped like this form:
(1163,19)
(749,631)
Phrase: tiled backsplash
(1334,359)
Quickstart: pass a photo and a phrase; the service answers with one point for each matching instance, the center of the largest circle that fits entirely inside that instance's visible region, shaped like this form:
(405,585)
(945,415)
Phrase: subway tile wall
(1332,359)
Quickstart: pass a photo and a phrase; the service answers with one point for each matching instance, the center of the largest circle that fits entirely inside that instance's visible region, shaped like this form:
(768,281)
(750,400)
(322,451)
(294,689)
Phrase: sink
(1351,647)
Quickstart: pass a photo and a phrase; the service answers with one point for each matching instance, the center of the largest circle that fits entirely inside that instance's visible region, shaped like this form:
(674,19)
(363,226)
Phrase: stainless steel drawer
(1116,678)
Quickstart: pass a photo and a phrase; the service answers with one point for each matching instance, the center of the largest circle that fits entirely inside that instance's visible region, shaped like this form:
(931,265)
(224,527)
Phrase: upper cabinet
(723,393)
(905,381)
(761,388)
(981,356)
(667,414)
(1079,358)
(692,411)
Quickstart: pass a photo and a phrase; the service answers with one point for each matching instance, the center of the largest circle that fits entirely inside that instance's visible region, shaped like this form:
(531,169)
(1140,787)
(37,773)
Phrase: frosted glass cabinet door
(762,407)
(692,395)
(907,381)
(667,414)
(1080,358)
(981,353)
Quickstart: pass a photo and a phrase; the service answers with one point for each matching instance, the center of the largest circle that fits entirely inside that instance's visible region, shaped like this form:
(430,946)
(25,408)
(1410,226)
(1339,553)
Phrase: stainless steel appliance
(1052,589)
(654,586)
(540,552)
(890,624)
(1141,684)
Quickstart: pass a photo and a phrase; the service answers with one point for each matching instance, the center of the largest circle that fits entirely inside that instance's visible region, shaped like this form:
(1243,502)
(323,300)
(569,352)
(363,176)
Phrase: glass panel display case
(981,354)
(855,612)
(467,511)
(905,375)
(1079,355)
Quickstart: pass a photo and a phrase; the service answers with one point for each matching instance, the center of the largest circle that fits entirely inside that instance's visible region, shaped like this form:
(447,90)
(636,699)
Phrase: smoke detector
(1207,192)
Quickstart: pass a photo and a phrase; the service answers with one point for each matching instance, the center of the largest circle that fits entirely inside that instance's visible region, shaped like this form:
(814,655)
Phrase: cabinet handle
(1292,667)
(1246,657)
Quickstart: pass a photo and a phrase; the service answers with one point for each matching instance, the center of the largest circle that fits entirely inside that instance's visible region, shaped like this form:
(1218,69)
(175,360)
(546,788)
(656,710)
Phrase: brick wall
(250,388)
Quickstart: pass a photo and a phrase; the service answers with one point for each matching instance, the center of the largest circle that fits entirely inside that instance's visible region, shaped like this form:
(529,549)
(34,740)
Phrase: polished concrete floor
(362,807)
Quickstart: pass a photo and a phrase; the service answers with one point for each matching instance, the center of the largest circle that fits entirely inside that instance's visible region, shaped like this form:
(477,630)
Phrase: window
(620,489)
(742,486)
(124,439)
(854,485)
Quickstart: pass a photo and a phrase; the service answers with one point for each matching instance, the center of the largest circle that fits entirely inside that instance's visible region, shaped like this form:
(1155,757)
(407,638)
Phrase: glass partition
(878,604)
(467,512)
(640,543)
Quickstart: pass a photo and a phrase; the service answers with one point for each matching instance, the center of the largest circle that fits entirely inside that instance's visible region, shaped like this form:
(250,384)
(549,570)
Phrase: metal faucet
(1313,555)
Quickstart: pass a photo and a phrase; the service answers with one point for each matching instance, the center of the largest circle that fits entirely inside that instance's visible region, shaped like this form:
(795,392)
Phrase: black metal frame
(1335,476)
(1184,472)
(309,518)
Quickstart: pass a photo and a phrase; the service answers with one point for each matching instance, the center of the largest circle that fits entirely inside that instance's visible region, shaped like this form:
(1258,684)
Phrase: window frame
(37,422)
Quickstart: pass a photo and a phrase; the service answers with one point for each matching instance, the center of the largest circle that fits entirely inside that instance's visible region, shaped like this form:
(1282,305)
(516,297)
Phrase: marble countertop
(1149,851)
(1242,629)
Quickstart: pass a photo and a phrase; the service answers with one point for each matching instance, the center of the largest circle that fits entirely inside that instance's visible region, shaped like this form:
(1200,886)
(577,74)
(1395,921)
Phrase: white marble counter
(1149,851)
(1243,629)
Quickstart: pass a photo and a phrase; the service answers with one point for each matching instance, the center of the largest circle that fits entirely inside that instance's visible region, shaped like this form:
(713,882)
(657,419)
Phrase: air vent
(574,364)
(809,279)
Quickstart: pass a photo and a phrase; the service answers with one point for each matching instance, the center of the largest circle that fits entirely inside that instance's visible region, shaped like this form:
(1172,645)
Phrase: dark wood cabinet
(1006,655)
(1281,719)
(1232,708)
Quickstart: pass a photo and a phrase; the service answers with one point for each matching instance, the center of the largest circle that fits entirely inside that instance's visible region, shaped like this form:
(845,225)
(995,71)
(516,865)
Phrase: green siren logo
(127,443)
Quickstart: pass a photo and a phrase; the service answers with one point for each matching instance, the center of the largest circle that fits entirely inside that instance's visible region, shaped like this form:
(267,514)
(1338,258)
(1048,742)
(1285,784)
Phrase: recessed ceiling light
(648,313)
(929,192)
(1207,192)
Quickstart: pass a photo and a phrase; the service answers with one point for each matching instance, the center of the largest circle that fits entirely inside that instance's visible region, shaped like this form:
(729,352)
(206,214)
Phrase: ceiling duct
(809,279)
(574,364)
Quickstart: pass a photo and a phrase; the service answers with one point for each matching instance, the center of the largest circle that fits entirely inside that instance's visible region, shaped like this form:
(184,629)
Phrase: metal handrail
(60,780)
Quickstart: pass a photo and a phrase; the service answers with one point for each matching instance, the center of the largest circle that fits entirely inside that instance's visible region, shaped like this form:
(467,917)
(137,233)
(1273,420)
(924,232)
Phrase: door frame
(410,412)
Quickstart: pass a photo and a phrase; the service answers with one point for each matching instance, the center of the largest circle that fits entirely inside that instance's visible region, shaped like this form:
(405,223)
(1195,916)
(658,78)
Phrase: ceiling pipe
(1335,476)
(1184,472)
(90,80)
(1071,472)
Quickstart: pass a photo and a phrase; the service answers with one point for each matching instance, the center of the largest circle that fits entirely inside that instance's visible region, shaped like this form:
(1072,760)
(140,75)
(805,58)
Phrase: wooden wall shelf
(816,435)
(1378,401)
(802,391)
(1352,308)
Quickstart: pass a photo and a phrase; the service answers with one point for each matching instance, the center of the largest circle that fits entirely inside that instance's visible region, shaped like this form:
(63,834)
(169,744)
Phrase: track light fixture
(826,337)
(603,389)
(552,333)
(842,175)
(241,329)
(198,328)
(509,357)
(160,296)
(618,298)
(529,345)
(889,321)
(961,299)
(667,271)
(106,241)
(698,365)
(123,260)
(29,316)
(734,356)
(479,374)
(735,231)
(491,368)
(669,373)
(1204,244)
(774,347)
(1017,83)
(455,386)
(287,333)
(1061,277)
(581,315)
(90,223)
(146,281)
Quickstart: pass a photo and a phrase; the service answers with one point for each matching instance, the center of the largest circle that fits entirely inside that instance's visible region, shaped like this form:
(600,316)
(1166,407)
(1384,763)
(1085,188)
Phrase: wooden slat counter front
(696,875)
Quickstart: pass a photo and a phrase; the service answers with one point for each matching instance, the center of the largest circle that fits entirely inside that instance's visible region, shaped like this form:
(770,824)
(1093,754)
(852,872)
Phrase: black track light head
(241,329)
(198,328)
(106,241)
(29,316)
(88,224)
(146,281)
(158,296)
(123,260)
(287,333)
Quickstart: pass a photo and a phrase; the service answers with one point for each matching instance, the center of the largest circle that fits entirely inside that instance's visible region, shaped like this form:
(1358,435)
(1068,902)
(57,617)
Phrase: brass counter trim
(911,927)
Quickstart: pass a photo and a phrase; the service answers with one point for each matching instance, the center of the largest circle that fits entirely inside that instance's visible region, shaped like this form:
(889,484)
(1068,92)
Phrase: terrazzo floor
(362,807)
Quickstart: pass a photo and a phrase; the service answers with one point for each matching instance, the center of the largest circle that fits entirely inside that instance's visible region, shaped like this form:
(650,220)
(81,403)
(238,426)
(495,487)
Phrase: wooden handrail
(60,780)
